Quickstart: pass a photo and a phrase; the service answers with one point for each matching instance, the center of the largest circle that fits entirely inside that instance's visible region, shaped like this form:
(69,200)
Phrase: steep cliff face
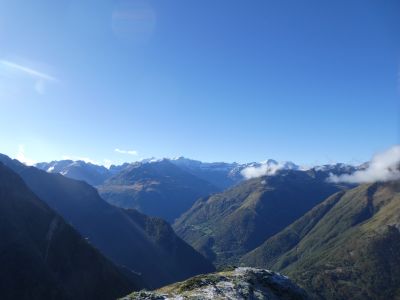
(239,283)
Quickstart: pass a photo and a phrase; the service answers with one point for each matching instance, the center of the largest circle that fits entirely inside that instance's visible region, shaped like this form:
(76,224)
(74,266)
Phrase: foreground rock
(240,283)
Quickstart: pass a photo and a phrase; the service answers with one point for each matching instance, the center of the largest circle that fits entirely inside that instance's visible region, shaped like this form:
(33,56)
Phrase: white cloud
(130,152)
(22,157)
(384,166)
(41,79)
(263,169)
(268,168)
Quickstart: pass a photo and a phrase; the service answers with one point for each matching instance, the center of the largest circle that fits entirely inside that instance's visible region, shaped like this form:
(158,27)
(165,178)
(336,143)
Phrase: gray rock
(239,283)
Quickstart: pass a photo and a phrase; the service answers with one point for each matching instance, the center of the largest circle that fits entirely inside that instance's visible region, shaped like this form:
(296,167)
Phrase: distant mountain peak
(180,158)
(78,169)
(269,162)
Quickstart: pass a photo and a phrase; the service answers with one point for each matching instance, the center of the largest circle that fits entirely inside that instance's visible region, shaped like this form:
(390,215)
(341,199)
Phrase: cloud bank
(384,166)
(130,152)
(267,168)
(262,170)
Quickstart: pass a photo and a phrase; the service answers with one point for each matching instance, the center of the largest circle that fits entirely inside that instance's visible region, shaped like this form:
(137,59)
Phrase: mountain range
(168,187)
(145,246)
(220,174)
(335,240)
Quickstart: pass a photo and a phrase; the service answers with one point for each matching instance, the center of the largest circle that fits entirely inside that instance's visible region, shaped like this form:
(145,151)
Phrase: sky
(109,81)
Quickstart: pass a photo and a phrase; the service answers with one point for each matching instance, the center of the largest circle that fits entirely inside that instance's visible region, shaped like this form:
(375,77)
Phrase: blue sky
(310,81)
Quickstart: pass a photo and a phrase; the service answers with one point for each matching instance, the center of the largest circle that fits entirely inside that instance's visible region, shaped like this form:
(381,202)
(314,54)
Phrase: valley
(330,237)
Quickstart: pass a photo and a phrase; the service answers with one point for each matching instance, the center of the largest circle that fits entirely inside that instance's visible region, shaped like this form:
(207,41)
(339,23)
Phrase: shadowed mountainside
(118,234)
(42,257)
(158,189)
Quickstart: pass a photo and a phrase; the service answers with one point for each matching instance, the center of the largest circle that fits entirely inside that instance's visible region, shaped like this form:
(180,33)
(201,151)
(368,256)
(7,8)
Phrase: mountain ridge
(227,225)
(159,189)
(42,257)
(115,233)
(220,174)
(349,250)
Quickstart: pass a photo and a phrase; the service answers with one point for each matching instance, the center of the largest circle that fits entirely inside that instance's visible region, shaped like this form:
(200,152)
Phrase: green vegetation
(348,247)
(226,226)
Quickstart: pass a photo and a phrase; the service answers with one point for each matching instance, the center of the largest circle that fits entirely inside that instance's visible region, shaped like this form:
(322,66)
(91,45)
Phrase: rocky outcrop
(239,283)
